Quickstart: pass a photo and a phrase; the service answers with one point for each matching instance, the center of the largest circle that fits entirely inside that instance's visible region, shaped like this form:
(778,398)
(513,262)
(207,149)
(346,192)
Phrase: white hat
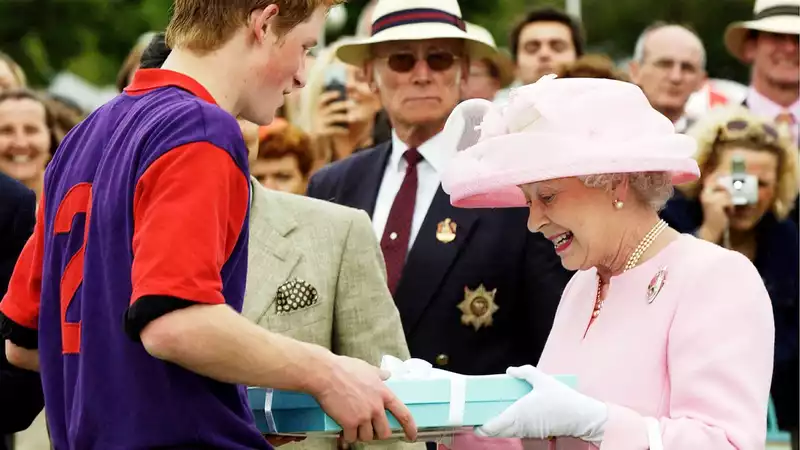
(772,16)
(499,58)
(414,20)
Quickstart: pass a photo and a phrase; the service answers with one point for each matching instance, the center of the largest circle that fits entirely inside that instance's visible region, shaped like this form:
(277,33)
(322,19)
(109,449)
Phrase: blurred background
(75,48)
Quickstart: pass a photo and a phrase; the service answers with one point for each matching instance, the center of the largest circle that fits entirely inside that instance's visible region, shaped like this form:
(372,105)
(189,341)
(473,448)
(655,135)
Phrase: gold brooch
(446,231)
(478,307)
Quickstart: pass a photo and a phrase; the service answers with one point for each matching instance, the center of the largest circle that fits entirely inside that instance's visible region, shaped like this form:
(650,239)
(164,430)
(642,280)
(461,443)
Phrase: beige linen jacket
(331,251)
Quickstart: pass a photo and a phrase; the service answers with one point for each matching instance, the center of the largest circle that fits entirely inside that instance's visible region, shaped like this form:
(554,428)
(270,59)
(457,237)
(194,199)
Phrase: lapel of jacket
(430,260)
(367,174)
(271,257)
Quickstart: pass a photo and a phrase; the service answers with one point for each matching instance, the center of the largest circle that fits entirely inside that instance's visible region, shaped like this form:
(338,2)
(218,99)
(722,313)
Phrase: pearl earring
(618,204)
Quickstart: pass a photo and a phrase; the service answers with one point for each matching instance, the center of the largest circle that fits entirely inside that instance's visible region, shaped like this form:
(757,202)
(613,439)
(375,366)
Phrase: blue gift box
(434,403)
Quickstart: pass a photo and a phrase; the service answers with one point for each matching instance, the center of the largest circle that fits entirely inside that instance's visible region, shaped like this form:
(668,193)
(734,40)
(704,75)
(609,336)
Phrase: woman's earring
(618,204)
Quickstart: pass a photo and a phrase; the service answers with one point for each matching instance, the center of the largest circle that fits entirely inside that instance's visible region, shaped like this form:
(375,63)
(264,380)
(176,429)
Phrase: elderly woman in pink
(670,336)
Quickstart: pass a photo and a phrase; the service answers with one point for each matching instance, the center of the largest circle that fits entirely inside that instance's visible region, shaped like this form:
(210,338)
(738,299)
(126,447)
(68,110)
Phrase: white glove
(551,409)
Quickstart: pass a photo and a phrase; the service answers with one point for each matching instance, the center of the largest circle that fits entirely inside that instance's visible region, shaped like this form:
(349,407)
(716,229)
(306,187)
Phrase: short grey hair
(639,49)
(652,188)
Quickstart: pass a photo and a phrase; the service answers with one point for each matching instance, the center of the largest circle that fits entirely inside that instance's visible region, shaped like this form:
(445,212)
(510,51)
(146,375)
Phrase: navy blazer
(492,247)
(21,397)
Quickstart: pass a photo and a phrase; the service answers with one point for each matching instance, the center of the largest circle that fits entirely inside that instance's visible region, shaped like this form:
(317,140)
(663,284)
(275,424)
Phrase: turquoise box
(434,403)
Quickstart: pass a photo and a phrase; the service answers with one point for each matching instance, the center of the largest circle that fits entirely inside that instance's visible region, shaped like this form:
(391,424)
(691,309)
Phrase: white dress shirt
(766,108)
(435,157)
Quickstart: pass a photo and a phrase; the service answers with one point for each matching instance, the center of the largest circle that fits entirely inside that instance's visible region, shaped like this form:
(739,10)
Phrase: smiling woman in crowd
(27,137)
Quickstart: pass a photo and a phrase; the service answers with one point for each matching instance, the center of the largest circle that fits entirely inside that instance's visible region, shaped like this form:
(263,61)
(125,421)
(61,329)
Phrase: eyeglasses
(405,62)
(739,129)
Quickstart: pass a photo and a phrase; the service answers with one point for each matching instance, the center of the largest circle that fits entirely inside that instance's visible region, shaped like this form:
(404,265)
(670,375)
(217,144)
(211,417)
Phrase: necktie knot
(412,157)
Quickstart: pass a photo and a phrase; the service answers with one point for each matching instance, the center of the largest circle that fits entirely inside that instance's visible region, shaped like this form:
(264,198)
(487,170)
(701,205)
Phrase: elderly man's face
(671,69)
(776,57)
(419,81)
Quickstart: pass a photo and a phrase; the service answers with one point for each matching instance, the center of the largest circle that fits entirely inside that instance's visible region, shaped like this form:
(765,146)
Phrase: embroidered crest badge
(478,307)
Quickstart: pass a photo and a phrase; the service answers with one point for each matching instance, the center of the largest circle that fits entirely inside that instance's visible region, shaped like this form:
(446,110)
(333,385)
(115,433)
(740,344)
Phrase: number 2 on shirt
(77,201)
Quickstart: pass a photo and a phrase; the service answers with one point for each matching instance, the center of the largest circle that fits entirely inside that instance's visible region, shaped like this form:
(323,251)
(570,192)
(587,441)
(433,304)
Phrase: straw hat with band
(414,20)
(559,128)
(771,16)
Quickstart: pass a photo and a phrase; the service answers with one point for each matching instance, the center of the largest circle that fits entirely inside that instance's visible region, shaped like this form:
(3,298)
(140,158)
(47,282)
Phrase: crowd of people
(248,212)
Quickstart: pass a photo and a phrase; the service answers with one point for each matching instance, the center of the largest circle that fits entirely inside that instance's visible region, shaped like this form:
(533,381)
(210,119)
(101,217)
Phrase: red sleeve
(189,207)
(22,300)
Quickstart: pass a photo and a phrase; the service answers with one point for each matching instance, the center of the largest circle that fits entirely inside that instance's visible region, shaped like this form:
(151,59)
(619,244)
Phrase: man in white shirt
(669,65)
(769,43)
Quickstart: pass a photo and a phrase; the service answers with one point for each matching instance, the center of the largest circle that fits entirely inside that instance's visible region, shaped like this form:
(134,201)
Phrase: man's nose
(675,74)
(421,71)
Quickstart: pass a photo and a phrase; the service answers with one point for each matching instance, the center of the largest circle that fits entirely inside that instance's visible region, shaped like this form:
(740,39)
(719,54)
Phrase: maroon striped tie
(397,233)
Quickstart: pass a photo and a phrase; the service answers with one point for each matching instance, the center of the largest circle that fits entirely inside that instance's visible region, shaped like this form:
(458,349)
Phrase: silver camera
(742,186)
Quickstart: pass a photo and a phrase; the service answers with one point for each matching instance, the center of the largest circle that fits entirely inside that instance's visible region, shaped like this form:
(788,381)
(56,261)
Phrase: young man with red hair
(129,292)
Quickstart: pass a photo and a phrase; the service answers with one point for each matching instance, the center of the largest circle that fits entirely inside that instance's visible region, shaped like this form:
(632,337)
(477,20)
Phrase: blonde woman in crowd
(753,220)
(339,127)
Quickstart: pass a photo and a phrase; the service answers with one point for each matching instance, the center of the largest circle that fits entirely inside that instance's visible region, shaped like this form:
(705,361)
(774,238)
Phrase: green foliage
(89,37)
(92,37)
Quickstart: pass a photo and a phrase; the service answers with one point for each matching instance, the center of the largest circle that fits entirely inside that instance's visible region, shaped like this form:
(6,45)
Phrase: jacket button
(442,360)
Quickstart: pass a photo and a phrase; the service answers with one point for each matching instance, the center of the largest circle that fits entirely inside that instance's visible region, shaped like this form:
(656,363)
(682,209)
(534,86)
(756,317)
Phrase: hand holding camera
(723,192)
(332,116)
(716,201)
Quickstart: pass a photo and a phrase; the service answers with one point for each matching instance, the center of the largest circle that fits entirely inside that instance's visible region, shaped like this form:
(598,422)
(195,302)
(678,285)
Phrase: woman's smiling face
(24,138)
(578,220)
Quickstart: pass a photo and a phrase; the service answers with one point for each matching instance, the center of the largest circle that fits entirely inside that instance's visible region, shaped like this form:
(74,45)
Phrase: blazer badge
(478,307)
(446,231)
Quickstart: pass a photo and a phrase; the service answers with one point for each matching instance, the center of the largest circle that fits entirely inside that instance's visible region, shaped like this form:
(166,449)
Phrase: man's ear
(633,71)
(261,22)
(369,75)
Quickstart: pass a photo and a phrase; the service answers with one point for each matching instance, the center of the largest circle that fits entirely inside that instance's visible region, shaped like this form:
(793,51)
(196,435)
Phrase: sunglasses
(405,62)
(742,129)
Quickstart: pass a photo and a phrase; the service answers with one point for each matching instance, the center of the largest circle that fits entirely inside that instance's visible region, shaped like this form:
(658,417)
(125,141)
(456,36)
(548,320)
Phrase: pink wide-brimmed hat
(559,128)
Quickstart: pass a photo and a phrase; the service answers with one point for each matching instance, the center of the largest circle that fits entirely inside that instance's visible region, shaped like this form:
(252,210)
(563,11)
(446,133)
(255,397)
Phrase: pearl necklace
(633,260)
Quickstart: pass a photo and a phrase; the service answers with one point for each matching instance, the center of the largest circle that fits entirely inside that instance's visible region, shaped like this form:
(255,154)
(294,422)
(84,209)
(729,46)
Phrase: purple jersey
(144,212)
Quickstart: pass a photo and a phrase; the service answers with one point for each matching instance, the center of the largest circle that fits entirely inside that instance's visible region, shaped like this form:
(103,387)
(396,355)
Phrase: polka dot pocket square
(294,295)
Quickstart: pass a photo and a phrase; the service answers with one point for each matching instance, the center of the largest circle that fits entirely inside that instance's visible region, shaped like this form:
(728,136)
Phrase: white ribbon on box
(270,419)
(419,369)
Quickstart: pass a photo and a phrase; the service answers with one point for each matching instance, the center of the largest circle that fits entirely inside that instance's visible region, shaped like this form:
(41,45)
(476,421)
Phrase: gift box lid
(482,388)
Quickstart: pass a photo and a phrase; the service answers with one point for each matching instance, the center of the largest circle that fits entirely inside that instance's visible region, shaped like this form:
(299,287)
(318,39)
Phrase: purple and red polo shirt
(144,212)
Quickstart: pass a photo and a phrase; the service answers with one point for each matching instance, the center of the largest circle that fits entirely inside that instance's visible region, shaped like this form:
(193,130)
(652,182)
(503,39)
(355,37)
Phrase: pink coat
(698,358)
